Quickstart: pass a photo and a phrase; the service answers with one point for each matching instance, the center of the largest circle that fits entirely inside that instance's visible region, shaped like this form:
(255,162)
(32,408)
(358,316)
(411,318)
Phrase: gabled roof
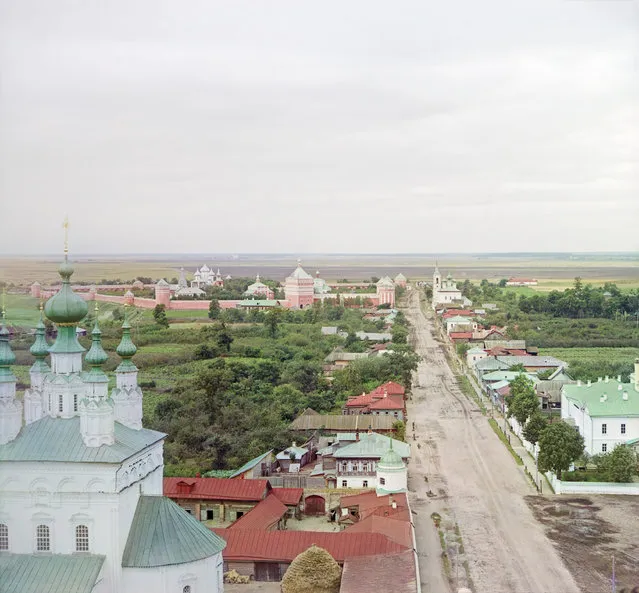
(342,422)
(217,488)
(532,361)
(614,404)
(371,445)
(51,573)
(288,496)
(284,546)
(461,335)
(394,529)
(263,516)
(369,503)
(163,534)
(388,403)
(299,452)
(250,464)
(59,439)
(300,273)
(387,573)
(391,387)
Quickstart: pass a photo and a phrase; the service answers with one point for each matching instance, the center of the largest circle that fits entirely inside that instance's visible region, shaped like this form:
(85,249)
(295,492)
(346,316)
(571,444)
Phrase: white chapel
(81,505)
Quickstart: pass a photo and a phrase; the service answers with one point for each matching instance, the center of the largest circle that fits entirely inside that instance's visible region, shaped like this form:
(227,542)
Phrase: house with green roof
(605,412)
(82,507)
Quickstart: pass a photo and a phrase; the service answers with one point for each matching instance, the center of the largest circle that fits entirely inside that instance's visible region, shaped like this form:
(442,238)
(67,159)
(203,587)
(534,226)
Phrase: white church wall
(203,576)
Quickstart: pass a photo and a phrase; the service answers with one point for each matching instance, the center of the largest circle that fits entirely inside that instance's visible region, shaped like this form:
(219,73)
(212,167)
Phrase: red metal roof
(388,403)
(264,515)
(393,528)
(369,502)
(288,496)
(284,546)
(462,313)
(460,335)
(362,401)
(391,388)
(216,488)
(393,572)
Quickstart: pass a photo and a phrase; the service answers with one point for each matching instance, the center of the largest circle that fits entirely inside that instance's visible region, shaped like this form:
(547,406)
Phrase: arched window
(186,589)
(60,403)
(81,538)
(43,540)
(50,409)
(75,402)
(4,537)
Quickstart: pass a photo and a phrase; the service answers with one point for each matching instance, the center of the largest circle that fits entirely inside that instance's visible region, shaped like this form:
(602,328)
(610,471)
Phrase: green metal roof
(52,573)
(250,464)
(258,303)
(59,439)
(163,534)
(40,348)
(372,445)
(66,341)
(391,459)
(7,357)
(615,405)
(508,376)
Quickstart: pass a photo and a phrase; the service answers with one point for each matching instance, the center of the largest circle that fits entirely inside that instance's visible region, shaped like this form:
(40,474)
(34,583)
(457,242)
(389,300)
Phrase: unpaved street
(473,478)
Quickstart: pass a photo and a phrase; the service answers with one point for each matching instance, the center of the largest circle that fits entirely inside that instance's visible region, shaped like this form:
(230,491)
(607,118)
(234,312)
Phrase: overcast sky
(349,126)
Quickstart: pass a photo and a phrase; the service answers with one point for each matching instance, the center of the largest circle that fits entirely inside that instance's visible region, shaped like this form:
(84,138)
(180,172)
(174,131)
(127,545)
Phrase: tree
(534,427)
(159,314)
(559,445)
(523,401)
(224,339)
(214,309)
(272,321)
(400,430)
(622,464)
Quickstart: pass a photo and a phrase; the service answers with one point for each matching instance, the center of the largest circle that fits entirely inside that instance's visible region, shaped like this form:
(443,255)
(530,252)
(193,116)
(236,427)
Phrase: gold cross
(65,226)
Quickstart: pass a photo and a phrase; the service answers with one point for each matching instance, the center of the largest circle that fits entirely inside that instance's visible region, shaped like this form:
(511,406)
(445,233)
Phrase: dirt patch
(588,533)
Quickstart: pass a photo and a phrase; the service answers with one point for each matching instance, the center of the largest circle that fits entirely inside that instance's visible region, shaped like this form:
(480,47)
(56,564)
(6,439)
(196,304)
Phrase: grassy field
(552,271)
(592,356)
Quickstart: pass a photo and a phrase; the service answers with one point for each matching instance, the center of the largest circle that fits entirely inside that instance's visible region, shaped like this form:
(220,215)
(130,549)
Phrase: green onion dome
(7,357)
(40,347)
(96,355)
(391,460)
(65,307)
(126,348)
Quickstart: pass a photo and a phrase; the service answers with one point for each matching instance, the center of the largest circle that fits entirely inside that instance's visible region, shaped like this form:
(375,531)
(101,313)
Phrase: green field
(592,355)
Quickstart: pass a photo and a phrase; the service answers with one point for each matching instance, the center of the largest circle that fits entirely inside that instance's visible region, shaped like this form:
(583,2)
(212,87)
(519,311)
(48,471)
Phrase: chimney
(357,436)
(599,379)
(619,378)
(619,387)
(589,382)
(636,374)
(578,382)
(607,378)
(625,396)
(294,444)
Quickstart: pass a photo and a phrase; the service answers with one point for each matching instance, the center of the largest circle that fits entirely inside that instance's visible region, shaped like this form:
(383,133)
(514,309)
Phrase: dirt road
(476,484)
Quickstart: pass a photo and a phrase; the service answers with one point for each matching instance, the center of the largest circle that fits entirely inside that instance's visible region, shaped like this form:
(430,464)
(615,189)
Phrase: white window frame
(4,537)
(344,483)
(623,428)
(60,403)
(604,447)
(382,481)
(41,537)
(82,540)
(604,428)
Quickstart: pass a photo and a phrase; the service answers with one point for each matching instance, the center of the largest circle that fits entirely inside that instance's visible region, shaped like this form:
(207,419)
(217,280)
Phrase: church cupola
(392,475)
(33,397)
(10,407)
(96,408)
(127,395)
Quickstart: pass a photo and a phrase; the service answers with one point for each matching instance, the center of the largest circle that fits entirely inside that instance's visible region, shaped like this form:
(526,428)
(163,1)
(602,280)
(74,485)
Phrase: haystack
(312,571)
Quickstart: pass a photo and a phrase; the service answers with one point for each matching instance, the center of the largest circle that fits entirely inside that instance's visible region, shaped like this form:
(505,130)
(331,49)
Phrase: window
(623,429)
(344,484)
(604,447)
(81,538)
(60,403)
(209,515)
(75,402)
(365,484)
(4,537)
(382,481)
(43,540)
(186,589)
(604,429)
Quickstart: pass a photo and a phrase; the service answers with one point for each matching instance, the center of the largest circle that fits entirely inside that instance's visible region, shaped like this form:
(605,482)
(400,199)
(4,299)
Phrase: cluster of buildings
(85,506)
(301,290)
(445,292)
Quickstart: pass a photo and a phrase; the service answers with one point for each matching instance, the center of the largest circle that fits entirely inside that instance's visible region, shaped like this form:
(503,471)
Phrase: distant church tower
(437,284)
(34,396)
(10,407)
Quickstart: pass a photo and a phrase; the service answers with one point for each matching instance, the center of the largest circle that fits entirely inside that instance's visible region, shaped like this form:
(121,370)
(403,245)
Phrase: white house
(474,355)
(606,412)
(458,323)
(81,480)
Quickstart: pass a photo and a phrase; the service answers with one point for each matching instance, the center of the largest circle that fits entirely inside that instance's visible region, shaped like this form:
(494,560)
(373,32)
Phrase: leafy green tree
(523,401)
(534,427)
(224,339)
(462,348)
(159,314)
(559,445)
(214,309)
(400,334)
(400,430)
(623,464)
(272,321)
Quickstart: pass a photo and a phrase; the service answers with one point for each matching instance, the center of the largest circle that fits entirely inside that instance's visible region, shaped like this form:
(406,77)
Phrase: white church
(81,505)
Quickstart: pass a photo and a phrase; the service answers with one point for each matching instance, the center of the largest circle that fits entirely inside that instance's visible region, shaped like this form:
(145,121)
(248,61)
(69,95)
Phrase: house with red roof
(385,400)
(216,499)
(267,515)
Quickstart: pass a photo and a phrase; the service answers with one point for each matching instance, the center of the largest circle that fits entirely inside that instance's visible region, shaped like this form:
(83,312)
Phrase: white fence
(592,487)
